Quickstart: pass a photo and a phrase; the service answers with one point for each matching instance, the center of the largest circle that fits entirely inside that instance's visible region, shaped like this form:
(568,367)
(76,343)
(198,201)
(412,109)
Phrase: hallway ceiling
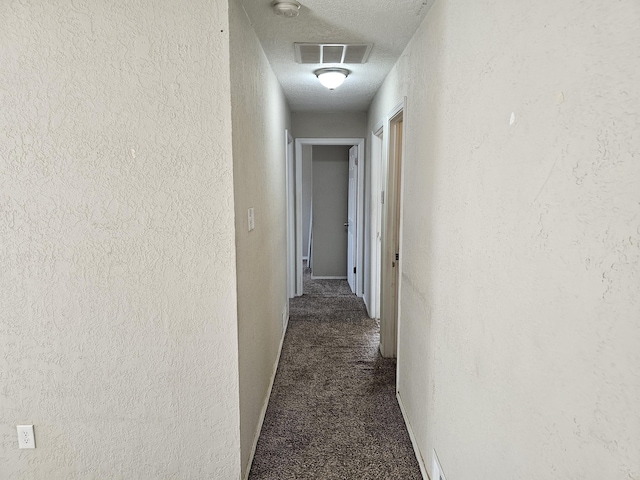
(388,24)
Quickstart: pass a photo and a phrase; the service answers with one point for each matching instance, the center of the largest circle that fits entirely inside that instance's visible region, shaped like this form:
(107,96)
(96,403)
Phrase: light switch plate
(251,219)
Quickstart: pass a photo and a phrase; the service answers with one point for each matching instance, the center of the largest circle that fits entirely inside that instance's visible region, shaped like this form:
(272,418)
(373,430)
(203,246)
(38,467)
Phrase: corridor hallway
(333,413)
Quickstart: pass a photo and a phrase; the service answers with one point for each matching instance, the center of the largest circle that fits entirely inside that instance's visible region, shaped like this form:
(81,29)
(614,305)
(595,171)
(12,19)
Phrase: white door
(352,213)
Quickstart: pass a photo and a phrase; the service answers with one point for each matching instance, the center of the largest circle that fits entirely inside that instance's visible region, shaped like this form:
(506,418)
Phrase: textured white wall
(519,337)
(260,116)
(118,333)
(329,125)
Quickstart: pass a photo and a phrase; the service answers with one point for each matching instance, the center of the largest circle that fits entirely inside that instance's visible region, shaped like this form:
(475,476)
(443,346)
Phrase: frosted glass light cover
(332,79)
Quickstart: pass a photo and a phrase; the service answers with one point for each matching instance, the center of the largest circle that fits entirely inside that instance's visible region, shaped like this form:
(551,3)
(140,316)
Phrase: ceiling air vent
(333,53)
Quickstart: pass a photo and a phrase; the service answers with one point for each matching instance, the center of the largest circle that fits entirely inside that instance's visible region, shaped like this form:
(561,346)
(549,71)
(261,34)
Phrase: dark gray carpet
(333,413)
(329,288)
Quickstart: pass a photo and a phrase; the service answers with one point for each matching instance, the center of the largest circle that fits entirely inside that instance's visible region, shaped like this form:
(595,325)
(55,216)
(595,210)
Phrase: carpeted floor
(333,413)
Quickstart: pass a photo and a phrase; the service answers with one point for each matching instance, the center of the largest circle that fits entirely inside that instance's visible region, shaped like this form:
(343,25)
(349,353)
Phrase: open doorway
(352,219)
(326,191)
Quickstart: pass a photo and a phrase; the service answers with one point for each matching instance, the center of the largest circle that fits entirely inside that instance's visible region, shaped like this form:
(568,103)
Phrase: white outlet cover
(436,469)
(26,439)
(251,219)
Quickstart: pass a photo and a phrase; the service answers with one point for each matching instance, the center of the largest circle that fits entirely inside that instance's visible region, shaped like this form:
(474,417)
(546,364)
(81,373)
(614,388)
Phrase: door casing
(297,200)
(352,225)
(374,218)
(391,232)
(290,185)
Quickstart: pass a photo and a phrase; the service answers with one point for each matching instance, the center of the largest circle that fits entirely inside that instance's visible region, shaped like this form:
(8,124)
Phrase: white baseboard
(266,402)
(366,304)
(416,449)
(328,278)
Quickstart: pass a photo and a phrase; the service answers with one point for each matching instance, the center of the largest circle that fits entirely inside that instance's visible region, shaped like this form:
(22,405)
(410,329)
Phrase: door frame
(374,217)
(291,221)
(389,327)
(297,200)
(352,214)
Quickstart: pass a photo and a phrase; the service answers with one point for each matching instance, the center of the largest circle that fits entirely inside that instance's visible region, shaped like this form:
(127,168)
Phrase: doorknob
(346,224)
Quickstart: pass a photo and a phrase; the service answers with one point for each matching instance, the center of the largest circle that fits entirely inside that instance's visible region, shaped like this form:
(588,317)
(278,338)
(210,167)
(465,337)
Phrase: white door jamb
(299,142)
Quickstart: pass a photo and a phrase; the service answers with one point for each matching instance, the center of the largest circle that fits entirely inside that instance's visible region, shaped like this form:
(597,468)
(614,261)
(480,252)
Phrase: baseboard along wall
(416,449)
(266,401)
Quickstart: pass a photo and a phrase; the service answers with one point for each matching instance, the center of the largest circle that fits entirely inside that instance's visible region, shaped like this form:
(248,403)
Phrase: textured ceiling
(387,24)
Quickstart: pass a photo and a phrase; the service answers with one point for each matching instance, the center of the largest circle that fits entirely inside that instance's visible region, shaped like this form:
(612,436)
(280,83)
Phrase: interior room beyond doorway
(325,193)
(329,209)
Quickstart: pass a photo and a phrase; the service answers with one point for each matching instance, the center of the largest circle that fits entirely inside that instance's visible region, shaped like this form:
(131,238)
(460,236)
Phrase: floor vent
(333,53)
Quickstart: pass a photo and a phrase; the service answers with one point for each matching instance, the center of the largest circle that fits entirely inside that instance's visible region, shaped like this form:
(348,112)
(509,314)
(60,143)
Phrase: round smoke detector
(286,8)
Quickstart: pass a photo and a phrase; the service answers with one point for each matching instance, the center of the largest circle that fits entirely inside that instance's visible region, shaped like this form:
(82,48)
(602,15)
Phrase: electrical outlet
(26,438)
(436,469)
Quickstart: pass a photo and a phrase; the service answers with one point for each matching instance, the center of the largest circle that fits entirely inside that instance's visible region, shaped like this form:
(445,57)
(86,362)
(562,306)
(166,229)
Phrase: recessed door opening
(391,203)
(326,194)
(328,203)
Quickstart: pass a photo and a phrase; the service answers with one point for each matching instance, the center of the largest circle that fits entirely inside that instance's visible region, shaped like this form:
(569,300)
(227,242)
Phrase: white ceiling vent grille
(333,53)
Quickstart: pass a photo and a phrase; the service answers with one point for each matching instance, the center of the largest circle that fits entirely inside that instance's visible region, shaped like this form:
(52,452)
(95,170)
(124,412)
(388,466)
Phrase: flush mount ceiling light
(289,8)
(332,78)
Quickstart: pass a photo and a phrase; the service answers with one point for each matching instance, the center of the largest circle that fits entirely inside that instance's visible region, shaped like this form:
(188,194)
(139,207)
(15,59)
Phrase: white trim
(263,412)
(389,330)
(359,280)
(310,236)
(396,110)
(414,443)
(360,142)
(378,127)
(374,216)
(291,224)
(298,208)
(401,110)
